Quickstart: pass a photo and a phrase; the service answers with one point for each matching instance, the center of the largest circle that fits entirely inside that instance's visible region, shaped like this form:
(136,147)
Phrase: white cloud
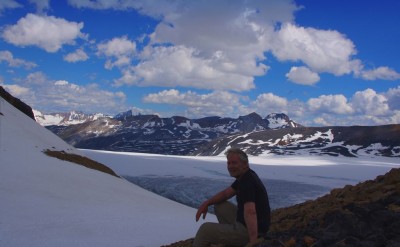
(321,50)
(365,107)
(336,104)
(215,103)
(8,57)
(16,90)
(394,118)
(370,103)
(9,4)
(119,51)
(48,95)
(322,121)
(61,83)
(302,75)
(35,79)
(220,52)
(76,56)
(182,66)
(383,73)
(270,103)
(393,98)
(104,4)
(47,32)
(117,47)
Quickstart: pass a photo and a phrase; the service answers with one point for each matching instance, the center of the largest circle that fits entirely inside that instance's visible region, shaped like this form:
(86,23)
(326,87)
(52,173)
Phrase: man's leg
(225,212)
(216,233)
(227,231)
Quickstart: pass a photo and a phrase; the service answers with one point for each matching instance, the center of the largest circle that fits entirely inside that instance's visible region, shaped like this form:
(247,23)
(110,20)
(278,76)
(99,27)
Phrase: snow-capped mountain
(152,134)
(274,134)
(65,118)
(350,141)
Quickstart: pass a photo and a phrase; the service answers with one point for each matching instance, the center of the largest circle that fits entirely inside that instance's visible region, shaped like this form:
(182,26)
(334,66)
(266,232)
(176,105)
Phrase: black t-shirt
(249,188)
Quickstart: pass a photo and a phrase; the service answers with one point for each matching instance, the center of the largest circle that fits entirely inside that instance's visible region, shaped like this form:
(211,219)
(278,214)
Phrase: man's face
(236,167)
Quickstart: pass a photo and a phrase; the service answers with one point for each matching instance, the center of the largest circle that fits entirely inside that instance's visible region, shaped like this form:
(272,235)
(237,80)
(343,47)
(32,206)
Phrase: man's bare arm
(221,196)
(250,217)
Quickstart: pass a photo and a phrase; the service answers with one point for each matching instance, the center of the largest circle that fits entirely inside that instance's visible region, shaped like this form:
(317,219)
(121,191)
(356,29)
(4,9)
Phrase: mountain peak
(280,120)
(65,118)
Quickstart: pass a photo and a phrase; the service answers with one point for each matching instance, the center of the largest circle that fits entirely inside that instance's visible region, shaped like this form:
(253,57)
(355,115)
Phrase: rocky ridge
(176,135)
(348,141)
(17,103)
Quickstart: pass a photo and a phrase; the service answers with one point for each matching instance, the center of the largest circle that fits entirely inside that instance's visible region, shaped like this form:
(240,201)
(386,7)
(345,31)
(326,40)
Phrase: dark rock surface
(17,103)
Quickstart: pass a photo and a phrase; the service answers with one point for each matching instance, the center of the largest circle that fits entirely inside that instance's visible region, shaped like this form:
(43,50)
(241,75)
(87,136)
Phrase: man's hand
(203,209)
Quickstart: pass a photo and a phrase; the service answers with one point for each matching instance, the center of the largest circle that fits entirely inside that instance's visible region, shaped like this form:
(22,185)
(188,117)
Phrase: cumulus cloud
(383,73)
(118,51)
(336,104)
(220,52)
(393,98)
(223,103)
(47,32)
(321,50)
(9,4)
(35,79)
(8,57)
(270,103)
(16,90)
(182,66)
(302,75)
(47,95)
(216,103)
(368,102)
(227,51)
(76,56)
(365,107)
(362,108)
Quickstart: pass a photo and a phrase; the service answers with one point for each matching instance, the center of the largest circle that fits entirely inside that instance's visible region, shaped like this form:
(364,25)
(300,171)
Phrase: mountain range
(274,134)
(152,134)
(65,118)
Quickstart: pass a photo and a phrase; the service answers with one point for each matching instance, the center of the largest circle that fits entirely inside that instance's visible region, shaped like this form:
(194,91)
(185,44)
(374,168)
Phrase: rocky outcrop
(80,160)
(367,215)
(17,103)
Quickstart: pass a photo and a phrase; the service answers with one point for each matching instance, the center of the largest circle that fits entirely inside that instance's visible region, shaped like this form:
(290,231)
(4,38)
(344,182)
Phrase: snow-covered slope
(48,202)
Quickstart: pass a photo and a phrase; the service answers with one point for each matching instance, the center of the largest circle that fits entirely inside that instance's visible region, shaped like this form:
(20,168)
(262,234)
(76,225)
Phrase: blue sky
(321,62)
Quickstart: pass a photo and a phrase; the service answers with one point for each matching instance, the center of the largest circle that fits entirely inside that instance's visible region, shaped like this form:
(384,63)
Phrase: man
(244,224)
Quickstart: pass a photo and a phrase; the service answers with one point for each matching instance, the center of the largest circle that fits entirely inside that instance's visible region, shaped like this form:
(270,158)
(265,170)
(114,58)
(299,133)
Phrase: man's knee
(205,235)
(205,229)
(225,212)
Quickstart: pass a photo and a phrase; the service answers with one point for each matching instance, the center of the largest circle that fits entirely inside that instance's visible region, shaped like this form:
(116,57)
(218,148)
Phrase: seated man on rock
(245,224)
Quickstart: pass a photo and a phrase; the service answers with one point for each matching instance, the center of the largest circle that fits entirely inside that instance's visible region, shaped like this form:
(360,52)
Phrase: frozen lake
(194,190)
(289,179)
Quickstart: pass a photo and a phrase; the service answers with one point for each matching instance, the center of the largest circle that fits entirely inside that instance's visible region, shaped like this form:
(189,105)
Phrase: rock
(17,103)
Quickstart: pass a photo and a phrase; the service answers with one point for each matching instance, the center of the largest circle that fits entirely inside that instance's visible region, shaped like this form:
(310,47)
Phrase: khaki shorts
(227,231)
